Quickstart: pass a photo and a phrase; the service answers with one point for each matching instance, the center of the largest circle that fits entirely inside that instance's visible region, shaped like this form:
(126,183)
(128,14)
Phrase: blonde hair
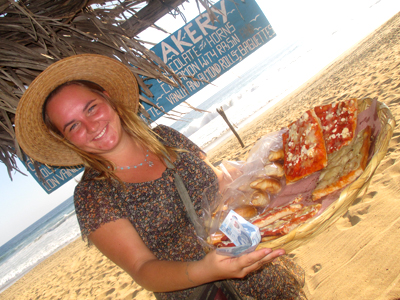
(130,122)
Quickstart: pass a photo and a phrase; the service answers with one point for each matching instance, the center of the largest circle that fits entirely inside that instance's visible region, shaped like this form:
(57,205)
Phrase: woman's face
(85,119)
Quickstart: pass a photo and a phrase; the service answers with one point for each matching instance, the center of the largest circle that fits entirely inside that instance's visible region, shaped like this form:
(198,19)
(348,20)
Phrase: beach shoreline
(355,258)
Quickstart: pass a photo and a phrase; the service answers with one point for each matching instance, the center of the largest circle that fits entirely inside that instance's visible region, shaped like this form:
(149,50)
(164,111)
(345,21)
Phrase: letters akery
(203,50)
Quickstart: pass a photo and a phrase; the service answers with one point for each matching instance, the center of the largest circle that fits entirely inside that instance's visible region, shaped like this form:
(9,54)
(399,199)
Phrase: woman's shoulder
(91,185)
(174,138)
(97,201)
(165,130)
(88,177)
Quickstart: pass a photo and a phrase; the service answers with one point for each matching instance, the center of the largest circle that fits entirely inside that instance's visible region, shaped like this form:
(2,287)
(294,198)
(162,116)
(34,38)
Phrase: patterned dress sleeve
(173,138)
(96,203)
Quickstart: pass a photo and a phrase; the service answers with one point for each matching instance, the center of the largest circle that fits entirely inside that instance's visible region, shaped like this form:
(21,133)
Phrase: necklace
(149,162)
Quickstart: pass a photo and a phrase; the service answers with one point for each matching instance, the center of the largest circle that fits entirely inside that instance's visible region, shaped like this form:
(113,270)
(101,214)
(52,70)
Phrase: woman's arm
(120,242)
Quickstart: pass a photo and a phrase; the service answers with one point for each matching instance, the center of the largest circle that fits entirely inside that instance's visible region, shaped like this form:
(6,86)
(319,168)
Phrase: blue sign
(204,51)
(53,178)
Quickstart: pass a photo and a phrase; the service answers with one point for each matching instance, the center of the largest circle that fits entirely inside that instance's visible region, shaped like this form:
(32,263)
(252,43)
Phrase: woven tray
(303,233)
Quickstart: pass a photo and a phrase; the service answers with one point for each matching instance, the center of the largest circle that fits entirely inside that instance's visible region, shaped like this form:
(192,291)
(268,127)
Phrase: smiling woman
(84,118)
(83,109)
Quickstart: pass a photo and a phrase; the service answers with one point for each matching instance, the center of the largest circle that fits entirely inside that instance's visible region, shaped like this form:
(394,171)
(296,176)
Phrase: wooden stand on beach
(222,113)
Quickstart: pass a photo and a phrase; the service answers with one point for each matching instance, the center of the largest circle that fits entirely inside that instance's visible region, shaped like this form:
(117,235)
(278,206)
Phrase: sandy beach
(355,258)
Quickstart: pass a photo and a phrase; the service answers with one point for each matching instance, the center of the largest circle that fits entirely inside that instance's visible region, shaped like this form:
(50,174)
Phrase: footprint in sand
(386,164)
(353,216)
(370,196)
(316,268)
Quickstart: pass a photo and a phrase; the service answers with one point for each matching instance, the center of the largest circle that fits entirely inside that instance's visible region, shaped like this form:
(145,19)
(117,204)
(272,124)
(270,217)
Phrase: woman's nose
(91,126)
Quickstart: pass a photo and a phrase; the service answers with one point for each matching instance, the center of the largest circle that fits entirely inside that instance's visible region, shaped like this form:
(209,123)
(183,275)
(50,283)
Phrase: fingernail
(267,251)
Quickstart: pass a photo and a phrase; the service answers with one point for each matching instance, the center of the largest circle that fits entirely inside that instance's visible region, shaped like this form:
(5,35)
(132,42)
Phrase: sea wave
(23,259)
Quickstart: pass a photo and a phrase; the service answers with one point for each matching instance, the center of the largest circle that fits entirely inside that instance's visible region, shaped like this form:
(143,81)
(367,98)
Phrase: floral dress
(156,211)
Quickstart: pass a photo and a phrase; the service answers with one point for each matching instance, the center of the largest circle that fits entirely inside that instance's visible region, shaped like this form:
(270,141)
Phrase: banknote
(242,233)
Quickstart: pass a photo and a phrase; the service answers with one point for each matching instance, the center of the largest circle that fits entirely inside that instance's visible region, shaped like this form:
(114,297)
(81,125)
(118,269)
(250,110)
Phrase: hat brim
(32,134)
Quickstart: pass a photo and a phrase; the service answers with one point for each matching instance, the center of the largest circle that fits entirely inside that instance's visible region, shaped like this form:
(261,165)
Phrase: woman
(83,110)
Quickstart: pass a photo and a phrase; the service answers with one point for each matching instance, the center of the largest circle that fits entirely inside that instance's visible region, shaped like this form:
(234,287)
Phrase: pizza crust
(344,165)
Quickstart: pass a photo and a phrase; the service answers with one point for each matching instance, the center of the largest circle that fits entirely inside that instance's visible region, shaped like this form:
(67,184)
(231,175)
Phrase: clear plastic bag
(253,184)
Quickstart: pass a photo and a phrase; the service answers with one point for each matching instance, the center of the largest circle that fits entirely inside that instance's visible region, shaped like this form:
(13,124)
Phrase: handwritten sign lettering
(204,51)
(53,178)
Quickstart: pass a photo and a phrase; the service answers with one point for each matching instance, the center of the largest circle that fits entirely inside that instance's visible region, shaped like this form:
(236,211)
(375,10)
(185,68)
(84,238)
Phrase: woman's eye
(91,109)
(73,127)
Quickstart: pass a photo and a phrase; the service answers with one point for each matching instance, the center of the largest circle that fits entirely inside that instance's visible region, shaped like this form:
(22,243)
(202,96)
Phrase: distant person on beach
(83,110)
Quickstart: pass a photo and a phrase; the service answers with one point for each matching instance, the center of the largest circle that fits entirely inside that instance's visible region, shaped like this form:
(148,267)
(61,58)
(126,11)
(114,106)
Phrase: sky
(23,201)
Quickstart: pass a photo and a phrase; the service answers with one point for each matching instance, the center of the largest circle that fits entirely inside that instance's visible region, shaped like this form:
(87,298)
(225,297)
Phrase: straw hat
(32,134)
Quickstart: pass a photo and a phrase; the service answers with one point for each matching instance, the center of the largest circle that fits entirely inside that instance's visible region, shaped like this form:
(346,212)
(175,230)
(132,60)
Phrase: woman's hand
(220,267)
(120,242)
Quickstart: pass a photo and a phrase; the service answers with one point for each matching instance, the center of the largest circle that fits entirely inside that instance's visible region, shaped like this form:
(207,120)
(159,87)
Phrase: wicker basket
(338,208)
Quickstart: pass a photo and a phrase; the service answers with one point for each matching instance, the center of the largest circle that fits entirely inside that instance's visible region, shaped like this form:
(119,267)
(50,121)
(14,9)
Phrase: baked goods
(275,222)
(276,155)
(260,199)
(344,166)
(339,122)
(304,147)
(275,213)
(274,170)
(322,143)
(246,211)
(270,185)
(287,223)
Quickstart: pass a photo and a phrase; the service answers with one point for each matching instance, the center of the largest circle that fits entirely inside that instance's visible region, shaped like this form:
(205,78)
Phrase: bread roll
(276,155)
(259,198)
(270,185)
(275,170)
(246,211)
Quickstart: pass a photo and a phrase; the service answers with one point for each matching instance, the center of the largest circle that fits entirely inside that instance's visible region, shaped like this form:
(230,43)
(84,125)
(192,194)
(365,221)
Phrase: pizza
(344,165)
(284,225)
(339,122)
(304,147)
(278,221)
(276,213)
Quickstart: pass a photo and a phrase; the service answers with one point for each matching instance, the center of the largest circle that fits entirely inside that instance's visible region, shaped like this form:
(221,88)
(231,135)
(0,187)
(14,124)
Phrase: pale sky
(23,201)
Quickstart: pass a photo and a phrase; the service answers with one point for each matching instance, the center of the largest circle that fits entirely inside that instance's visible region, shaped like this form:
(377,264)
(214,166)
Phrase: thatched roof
(36,33)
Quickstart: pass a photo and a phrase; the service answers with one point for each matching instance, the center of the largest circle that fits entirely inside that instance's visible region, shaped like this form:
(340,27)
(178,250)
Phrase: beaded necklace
(149,162)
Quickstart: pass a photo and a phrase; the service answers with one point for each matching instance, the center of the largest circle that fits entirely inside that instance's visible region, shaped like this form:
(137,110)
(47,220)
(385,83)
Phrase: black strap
(183,193)
(206,291)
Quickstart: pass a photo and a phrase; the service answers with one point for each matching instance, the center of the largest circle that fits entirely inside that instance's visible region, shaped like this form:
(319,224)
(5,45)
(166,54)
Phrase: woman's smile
(101,134)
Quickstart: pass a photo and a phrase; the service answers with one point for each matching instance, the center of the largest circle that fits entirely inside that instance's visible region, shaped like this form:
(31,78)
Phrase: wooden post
(222,113)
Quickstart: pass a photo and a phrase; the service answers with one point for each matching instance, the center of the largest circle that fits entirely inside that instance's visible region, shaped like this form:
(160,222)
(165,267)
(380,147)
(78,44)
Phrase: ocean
(43,238)
(274,71)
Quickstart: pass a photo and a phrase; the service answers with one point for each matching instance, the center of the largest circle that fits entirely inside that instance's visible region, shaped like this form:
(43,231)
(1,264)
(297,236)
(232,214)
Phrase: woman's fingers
(257,259)
(237,267)
(261,255)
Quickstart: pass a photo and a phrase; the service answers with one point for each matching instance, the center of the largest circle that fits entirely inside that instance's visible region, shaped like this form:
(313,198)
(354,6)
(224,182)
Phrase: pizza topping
(273,214)
(304,147)
(288,222)
(339,121)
